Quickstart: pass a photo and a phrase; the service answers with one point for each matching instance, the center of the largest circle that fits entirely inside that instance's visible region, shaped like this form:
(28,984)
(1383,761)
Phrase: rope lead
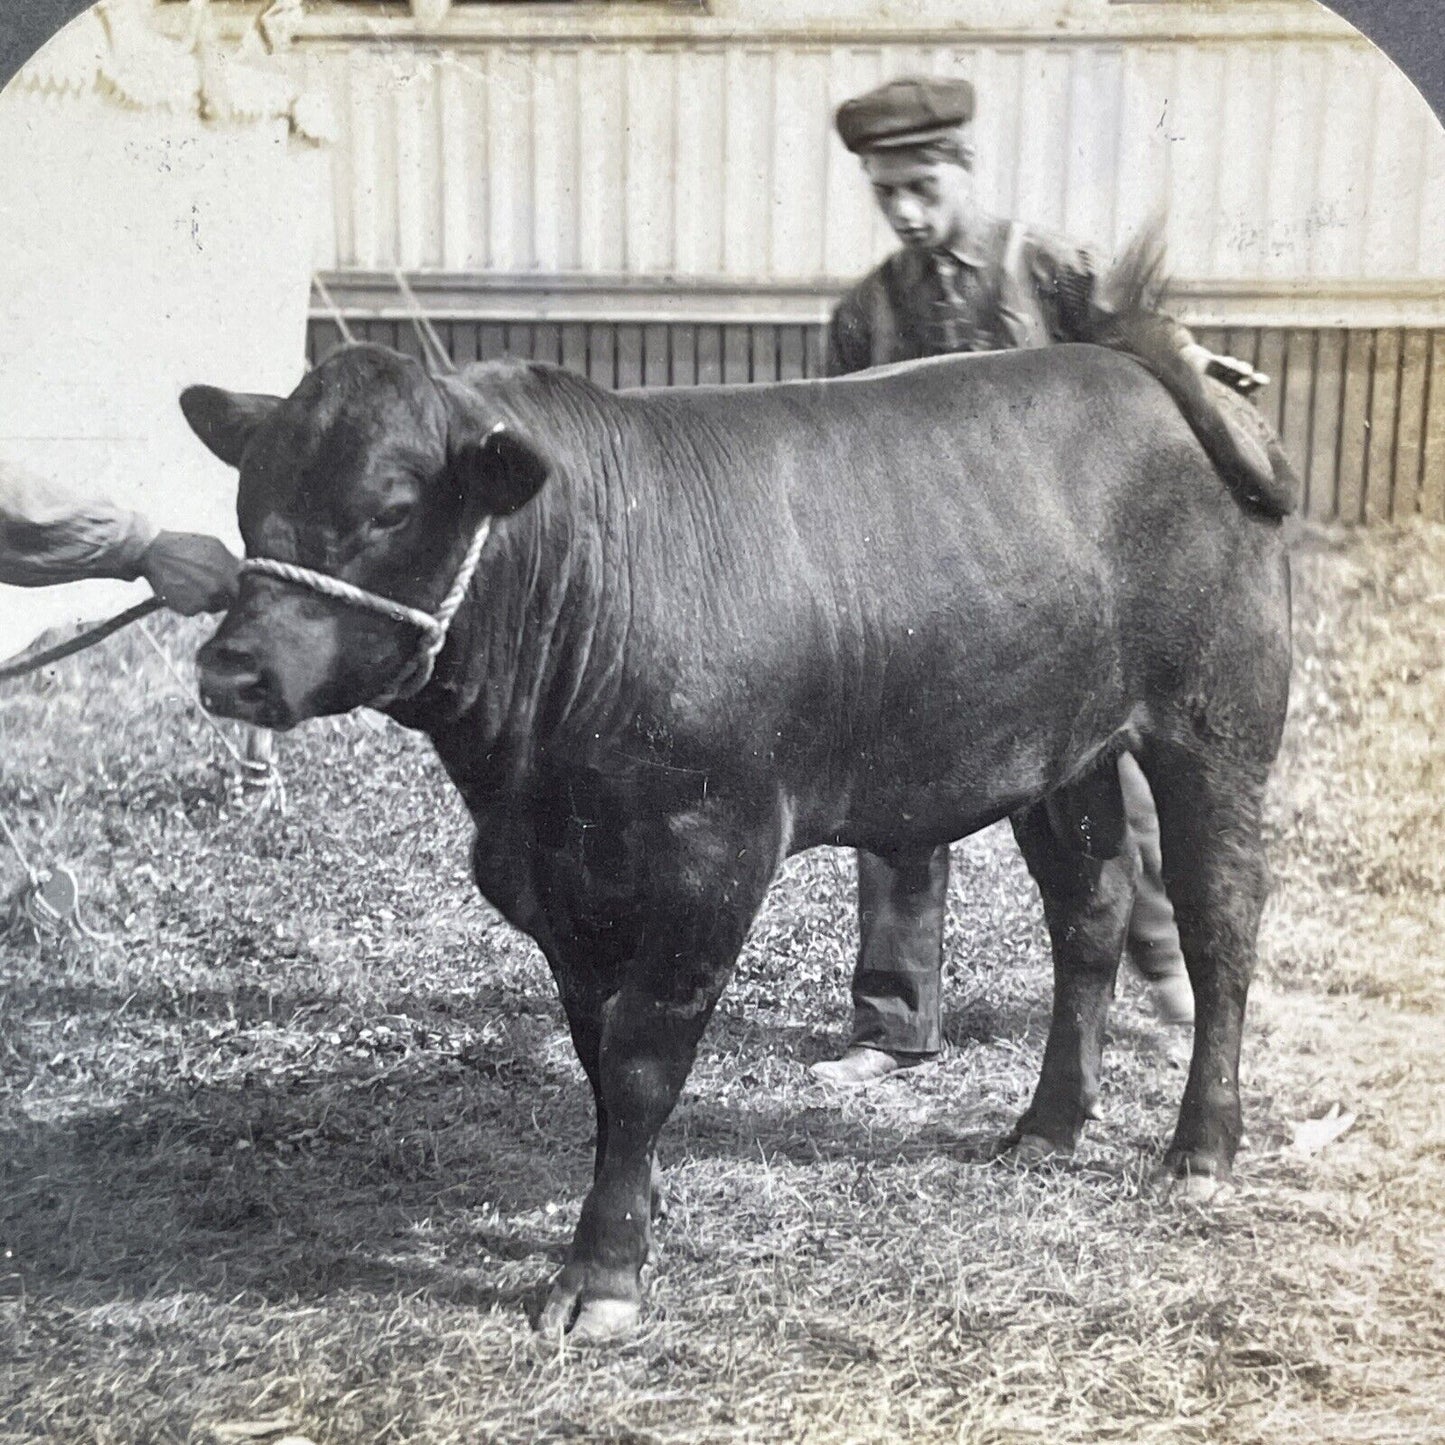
(432,626)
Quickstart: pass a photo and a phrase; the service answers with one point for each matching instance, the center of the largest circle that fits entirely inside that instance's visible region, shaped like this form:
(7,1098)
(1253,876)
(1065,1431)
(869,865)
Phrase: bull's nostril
(227,657)
(233,682)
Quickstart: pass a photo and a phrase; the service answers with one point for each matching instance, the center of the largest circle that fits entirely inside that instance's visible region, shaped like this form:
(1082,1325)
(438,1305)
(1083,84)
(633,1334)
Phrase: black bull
(712,628)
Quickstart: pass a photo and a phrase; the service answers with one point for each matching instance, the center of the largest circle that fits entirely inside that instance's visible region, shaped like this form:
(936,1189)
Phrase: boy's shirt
(1014,287)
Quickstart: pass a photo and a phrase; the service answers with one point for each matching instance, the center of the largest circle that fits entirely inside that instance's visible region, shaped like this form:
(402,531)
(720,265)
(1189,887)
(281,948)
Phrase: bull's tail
(1128,317)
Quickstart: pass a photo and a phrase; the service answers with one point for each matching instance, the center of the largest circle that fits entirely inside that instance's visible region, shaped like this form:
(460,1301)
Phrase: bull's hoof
(601,1321)
(1030,1151)
(596,1320)
(1190,1182)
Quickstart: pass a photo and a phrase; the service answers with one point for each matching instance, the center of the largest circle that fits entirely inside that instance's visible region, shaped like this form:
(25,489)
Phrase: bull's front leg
(693,926)
(648,1045)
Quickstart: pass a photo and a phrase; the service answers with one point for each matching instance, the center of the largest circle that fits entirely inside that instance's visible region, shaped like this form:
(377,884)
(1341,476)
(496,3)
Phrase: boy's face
(925,201)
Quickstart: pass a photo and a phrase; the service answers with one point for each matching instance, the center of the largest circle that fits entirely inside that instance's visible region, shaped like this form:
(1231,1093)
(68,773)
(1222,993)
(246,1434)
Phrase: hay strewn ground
(304,1141)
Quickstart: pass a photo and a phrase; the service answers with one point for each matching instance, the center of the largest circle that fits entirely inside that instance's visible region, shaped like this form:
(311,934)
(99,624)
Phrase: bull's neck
(527,653)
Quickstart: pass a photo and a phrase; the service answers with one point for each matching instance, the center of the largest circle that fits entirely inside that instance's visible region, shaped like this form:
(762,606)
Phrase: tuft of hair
(1138,281)
(1127,314)
(1128,305)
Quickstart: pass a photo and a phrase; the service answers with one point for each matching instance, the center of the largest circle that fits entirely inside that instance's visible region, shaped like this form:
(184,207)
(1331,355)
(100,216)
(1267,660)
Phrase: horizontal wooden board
(1361,411)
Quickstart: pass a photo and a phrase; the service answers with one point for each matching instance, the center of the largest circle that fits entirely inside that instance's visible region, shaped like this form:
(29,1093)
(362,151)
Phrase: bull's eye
(390,518)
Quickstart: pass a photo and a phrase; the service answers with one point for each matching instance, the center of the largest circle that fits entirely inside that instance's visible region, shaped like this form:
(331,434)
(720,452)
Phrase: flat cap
(909,111)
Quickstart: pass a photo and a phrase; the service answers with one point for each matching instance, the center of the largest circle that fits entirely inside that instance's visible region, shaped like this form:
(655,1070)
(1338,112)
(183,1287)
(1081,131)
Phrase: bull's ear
(502,471)
(224,420)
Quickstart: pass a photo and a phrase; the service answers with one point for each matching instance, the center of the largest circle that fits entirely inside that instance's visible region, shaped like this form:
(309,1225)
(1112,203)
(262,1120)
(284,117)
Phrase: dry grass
(303,1143)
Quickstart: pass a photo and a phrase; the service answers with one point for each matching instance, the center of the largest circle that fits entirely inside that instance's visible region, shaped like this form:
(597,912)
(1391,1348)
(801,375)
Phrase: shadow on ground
(379,1176)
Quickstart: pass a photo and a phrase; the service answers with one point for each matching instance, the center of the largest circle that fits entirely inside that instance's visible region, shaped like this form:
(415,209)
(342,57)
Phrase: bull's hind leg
(1074,845)
(1210,805)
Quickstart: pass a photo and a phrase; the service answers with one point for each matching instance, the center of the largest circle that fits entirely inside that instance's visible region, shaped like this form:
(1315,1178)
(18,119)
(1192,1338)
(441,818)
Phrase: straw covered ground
(295,1151)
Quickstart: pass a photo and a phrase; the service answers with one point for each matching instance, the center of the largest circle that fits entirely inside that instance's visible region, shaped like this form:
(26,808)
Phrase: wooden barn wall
(680,211)
(1306,161)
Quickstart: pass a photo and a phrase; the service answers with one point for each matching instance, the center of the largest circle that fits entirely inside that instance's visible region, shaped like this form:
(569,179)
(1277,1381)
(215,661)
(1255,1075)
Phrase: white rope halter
(433,627)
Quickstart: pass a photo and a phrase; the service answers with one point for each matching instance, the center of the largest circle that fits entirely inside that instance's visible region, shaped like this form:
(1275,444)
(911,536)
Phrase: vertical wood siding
(1308,161)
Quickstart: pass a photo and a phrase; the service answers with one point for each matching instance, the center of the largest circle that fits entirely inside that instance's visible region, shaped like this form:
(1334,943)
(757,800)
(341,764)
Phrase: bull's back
(1040,443)
(1056,479)
(944,580)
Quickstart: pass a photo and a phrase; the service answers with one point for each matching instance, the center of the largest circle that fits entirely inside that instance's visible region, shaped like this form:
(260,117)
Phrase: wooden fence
(1361,410)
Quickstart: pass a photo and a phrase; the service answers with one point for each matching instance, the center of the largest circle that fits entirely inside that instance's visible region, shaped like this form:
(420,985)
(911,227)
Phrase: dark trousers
(897,981)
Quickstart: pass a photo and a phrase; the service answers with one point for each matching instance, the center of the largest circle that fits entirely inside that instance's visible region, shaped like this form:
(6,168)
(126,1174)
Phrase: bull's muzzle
(236,682)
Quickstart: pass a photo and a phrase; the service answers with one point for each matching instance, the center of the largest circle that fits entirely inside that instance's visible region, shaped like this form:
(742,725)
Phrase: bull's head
(373,473)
